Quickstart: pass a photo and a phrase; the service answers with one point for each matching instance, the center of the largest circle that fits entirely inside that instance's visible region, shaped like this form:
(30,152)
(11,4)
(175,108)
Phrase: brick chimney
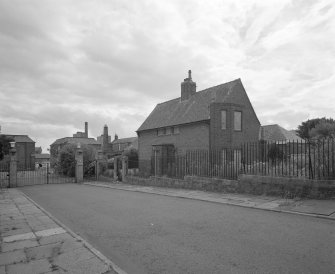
(86,129)
(188,87)
(104,144)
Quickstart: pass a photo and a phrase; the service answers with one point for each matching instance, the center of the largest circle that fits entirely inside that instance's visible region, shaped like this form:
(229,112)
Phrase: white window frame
(223,119)
(238,122)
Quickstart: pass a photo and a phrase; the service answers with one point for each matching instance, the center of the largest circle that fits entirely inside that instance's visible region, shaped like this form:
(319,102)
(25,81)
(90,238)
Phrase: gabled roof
(196,108)
(124,140)
(42,156)
(20,138)
(277,133)
(75,140)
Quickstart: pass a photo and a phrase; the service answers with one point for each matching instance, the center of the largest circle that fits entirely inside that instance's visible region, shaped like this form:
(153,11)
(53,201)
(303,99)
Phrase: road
(147,233)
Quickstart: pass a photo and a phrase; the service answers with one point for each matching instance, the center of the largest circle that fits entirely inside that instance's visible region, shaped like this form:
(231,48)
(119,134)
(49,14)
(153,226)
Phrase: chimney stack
(104,144)
(86,129)
(188,87)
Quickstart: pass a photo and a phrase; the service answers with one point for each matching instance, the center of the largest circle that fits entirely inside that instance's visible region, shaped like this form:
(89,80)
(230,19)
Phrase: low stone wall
(287,187)
(249,184)
(189,182)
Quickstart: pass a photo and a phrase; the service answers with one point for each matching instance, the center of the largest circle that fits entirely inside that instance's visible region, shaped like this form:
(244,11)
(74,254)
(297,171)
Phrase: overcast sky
(110,62)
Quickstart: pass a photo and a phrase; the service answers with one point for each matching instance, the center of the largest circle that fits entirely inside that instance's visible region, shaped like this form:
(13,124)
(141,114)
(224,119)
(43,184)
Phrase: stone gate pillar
(116,167)
(124,168)
(99,158)
(12,166)
(79,165)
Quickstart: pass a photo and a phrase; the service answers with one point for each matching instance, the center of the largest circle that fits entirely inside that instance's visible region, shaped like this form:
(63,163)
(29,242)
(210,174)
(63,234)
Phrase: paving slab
(19,237)
(43,251)
(12,257)
(74,257)
(49,232)
(55,238)
(32,267)
(18,245)
(16,231)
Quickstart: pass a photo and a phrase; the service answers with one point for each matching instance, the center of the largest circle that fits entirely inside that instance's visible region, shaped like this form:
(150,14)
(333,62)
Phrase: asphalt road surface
(148,233)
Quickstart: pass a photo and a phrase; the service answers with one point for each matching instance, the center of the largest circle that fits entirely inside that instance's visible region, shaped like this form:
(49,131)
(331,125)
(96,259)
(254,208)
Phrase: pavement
(32,241)
(316,208)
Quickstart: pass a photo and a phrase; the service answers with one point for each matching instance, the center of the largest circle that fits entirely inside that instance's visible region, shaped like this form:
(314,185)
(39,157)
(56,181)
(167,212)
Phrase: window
(161,131)
(168,131)
(175,130)
(223,119)
(238,120)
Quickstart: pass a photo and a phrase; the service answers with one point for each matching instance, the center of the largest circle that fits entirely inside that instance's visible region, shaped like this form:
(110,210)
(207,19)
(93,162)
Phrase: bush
(66,163)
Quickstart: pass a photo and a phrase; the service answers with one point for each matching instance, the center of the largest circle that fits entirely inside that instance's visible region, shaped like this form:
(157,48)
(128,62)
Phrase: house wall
(229,138)
(24,154)
(190,137)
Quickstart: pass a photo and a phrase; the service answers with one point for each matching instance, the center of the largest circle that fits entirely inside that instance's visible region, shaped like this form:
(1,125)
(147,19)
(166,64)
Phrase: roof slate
(124,140)
(75,140)
(20,138)
(42,156)
(196,108)
(278,133)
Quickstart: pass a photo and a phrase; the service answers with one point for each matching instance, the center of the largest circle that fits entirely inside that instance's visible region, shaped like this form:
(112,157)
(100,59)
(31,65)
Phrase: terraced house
(216,118)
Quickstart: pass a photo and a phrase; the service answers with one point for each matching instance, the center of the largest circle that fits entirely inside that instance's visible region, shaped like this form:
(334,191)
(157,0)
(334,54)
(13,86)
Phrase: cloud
(111,62)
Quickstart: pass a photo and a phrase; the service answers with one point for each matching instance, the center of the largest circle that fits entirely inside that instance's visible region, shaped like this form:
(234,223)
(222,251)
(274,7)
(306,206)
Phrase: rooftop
(196,108)
(75,140)
(278,133)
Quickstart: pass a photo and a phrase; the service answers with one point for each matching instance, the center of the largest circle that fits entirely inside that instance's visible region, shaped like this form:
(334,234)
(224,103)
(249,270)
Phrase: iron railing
(313,159)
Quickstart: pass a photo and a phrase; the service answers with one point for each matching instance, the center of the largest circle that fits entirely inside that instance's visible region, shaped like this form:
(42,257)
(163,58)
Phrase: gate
(90,173)
(41,175)
(4,175)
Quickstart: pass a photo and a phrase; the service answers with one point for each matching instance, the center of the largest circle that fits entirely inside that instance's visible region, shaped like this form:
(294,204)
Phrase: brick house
(117,146)
(287,140)
(25,151)
(42,160)
(276,133)
(79,137)
(217,118)
(120,145)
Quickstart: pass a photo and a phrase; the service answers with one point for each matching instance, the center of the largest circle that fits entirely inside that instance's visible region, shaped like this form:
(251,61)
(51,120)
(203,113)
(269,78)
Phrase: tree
(66,163)
(323,130)
(304,130)
(4,145)
(132,155)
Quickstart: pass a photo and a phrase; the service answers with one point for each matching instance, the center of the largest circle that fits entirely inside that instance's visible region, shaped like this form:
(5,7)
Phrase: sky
(110,62)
